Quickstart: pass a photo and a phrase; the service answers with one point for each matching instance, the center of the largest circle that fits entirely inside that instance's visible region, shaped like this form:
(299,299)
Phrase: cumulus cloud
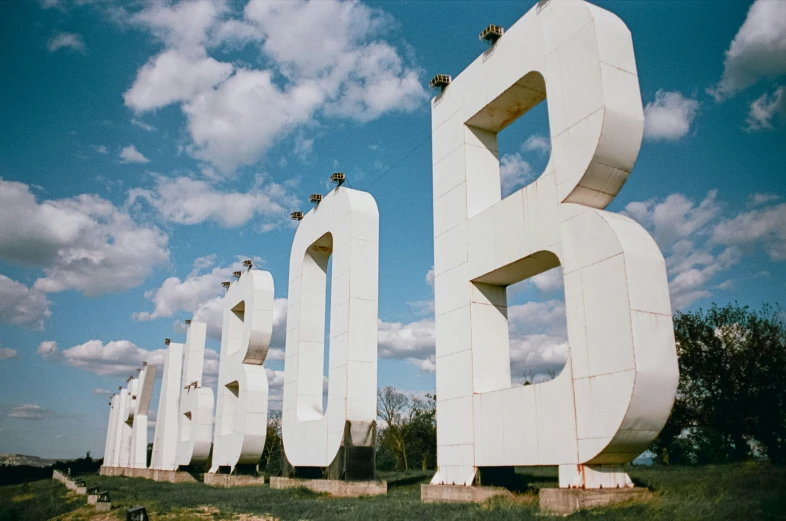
(200,293)
(537,332)
(71,41)
(22,306)
(102,392)
(183,200)
(670,116)
(48,350)
(537,143)
(514,173)
(757,51)
(29,411)
(83,243)
(6,353)
(700,241)
(118,357)
(764,109)
(130,154)
(325,60)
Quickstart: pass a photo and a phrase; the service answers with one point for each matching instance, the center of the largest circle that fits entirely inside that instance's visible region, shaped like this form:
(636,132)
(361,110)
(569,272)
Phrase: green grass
(731,492)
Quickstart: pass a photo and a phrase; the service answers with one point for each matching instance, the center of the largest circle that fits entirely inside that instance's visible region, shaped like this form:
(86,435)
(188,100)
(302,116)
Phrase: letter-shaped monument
(618,386)
(138,417)
(195,426)
(165,436)
(241,411)
(184,427)
(345,224)
(111,432)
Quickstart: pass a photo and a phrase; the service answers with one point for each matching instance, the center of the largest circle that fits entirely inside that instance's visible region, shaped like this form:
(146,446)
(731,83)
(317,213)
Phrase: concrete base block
(228,480)
(103,506)
(460,493)
(334,487)
(80,491)
(167,476)
(564,501)
(92,499)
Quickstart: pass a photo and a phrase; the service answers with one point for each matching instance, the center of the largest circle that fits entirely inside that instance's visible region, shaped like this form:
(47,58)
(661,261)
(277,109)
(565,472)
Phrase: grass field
(735,492)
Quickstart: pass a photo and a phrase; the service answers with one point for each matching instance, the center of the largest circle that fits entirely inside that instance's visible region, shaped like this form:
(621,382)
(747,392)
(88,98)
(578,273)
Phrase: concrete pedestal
(564,501)
(460,493)
(80,491)
(167,476)
(103,506)
(333,487)
(92,499)
(229,480)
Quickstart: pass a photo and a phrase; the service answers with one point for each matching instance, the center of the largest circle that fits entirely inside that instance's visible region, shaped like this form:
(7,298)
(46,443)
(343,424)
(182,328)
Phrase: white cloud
(670,116)
(118,357)
(406,341)
(48,350)
(187,201)
(325,59)
(765,227)
(764,109)
(102,392)
(71,41)
(130,154)
(6,353)
(514,173)
(173,76)
(141,124)
(700,242)
(537,332)
(29,411)
(537,143)
(100,149)
(188,294)
(757,51)
(83,243)
(22,306)
(202,295)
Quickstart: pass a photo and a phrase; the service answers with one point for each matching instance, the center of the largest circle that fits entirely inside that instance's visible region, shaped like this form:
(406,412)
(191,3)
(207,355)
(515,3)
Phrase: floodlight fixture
(226,284)
(248,263)
(491,34)
(236,274)
(167,341)
(315,198)
(144,364)
(338,178)
(296,216)
(188,321)
(440,81)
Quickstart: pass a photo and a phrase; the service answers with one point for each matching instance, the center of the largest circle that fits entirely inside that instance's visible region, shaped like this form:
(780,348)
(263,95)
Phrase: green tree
(732,389)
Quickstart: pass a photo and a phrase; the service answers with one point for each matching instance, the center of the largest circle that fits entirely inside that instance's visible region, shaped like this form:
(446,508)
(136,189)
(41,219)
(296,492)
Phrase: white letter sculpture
(111,432)
(618,386)
(195,427)
(165,437)
(241,411)
(138,416)
(346,225)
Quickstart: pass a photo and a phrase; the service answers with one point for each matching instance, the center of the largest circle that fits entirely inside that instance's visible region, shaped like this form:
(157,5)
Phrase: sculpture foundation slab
(565,501)
(103,506)
(228,480)
(167,476)
(92,499)
(333,487)
(80,491)
(460,493)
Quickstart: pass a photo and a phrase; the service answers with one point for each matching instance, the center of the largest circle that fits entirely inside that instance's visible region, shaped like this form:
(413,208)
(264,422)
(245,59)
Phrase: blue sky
(150,147)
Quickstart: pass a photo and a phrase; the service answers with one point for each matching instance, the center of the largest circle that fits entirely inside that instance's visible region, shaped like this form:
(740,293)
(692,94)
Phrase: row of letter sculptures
(618,385)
